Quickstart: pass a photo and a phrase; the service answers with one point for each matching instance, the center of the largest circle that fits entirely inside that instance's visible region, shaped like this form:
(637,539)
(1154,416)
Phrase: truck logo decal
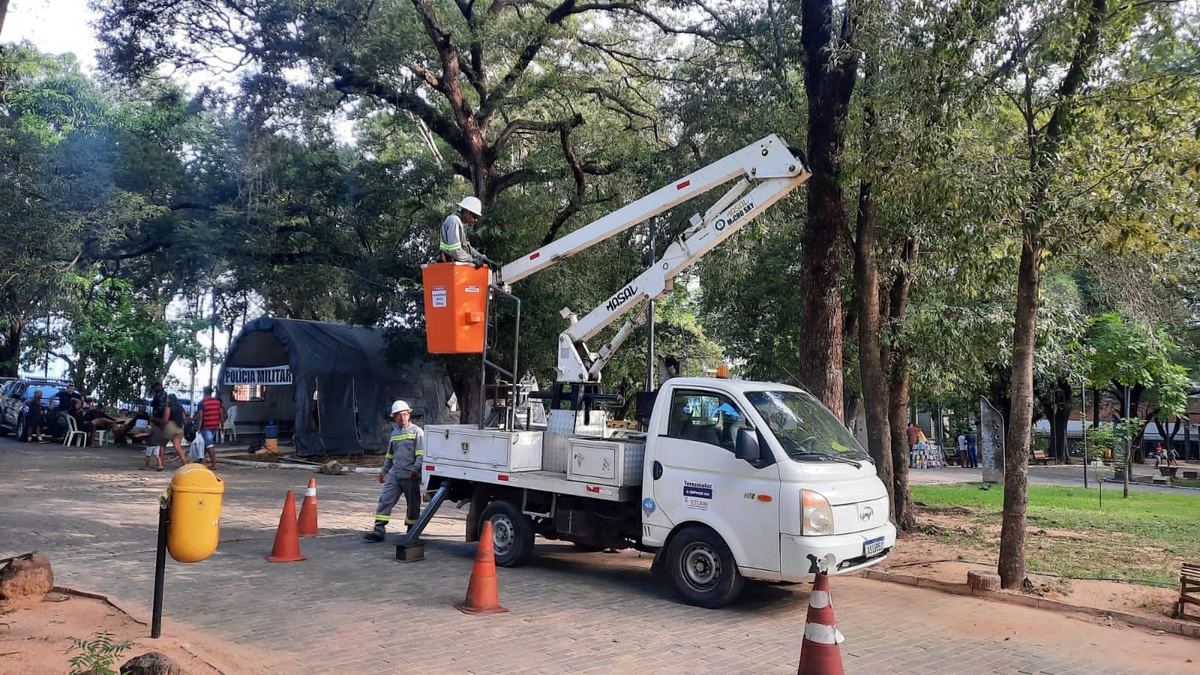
(740,210)
(648,506)
(696,504)
(700,490)
(621,296)
(866,514)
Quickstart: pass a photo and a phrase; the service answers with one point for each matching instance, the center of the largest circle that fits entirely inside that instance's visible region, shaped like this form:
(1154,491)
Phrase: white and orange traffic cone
(819,652)
(307,525)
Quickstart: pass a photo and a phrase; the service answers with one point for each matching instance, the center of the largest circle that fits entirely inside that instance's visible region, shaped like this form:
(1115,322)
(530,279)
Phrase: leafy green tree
(113,341)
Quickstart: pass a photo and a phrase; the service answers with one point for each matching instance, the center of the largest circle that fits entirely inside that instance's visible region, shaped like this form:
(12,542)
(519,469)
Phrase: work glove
(414,475)
(382,475)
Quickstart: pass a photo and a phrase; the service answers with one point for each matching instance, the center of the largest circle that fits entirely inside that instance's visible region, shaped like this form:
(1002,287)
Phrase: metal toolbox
(616,463)
(470,446)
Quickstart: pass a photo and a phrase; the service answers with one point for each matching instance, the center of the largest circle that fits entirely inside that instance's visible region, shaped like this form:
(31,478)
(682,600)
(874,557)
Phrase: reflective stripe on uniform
(451,247)
(379,517)
(410,521)
(420,452)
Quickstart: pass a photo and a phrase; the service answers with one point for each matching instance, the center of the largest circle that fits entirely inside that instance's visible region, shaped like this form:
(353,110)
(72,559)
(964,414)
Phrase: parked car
(13,406)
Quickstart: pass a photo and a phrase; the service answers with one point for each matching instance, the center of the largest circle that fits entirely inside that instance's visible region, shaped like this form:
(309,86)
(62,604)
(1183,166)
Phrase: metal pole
(212,337)
(1082,428)
(160,562)
(650,319)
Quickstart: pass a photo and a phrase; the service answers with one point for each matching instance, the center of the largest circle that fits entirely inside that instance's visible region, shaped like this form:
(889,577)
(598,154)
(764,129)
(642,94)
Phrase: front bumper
(838,553)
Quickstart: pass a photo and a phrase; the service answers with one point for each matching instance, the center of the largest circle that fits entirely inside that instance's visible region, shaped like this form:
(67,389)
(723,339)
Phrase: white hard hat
(400,406)
(472,204)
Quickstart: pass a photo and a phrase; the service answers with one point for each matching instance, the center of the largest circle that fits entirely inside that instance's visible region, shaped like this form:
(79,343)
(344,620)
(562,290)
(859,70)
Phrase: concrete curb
(1177,627)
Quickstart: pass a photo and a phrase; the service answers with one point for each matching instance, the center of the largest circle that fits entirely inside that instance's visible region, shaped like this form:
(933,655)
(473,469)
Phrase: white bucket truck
(728,480)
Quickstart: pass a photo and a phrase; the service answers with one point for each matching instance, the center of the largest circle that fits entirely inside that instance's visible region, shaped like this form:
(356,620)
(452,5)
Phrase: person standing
(211,418)
(973,448)
(964,458)
(914,437)
(454,245)
(66,399)
(33,418)
(401,472)
(172,427)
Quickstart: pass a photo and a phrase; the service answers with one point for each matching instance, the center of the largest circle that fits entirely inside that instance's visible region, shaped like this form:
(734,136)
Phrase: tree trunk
(10,349)
(830,72)
(1016,452)
(898,380)
(1058,425)
(870,357)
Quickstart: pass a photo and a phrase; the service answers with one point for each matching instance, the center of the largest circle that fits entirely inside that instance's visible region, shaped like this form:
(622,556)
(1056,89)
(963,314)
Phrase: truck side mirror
(746,445)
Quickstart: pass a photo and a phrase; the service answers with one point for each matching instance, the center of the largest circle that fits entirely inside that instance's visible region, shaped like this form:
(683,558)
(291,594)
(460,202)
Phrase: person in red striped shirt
(211,416)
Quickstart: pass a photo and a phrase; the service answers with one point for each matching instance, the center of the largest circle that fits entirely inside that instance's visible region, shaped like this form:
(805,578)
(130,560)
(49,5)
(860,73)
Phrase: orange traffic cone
(307,525)
(287,542)
(482,594)
(819,652)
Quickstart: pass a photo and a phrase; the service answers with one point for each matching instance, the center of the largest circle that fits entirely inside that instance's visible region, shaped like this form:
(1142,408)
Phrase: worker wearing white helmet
(454,245)
(401,472)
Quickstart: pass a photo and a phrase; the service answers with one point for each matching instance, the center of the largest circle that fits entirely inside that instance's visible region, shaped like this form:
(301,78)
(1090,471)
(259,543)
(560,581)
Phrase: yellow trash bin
(195,513)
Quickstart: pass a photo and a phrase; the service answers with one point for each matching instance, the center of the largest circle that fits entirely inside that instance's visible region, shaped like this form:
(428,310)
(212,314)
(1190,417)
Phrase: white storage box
(470,446)
(616,463)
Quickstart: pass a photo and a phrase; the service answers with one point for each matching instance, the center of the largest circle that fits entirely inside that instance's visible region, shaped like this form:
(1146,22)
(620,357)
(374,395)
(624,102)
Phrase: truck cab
(760,474)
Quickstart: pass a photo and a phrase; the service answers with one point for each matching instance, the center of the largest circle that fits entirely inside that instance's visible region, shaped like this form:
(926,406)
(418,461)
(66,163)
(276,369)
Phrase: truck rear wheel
(512,533)
(702,568)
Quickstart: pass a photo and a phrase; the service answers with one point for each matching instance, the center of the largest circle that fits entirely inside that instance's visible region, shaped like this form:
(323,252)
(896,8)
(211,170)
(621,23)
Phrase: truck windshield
(805,428)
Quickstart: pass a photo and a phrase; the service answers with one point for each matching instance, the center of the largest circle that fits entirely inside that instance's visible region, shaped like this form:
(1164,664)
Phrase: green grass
(1145,537)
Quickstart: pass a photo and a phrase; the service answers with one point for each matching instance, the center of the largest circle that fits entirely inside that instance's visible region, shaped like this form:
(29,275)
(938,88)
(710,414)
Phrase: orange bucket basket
(456,296)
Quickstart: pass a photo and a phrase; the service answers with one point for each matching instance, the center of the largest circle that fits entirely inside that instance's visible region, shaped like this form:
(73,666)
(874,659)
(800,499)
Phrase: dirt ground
(37,639)
(921,555)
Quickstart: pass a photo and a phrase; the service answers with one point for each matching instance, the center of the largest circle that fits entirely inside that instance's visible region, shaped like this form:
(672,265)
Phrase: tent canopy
(328,385)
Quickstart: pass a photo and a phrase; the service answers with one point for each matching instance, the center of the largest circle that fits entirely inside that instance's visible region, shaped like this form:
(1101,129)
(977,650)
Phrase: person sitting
(81,422)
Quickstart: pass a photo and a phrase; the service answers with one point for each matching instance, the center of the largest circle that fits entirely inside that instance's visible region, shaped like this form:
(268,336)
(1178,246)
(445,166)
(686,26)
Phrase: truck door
(697,478)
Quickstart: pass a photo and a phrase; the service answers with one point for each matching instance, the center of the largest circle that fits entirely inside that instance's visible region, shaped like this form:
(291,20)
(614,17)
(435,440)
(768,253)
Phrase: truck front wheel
(703,569)
(512,533)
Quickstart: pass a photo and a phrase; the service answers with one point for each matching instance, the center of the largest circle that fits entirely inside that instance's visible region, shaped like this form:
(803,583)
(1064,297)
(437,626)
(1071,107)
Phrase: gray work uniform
(454,245)
(405,451)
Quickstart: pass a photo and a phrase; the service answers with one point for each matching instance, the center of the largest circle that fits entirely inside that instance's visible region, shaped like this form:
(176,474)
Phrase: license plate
(873,546)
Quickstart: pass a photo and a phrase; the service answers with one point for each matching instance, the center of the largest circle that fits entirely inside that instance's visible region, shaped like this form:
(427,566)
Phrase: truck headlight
(816,517)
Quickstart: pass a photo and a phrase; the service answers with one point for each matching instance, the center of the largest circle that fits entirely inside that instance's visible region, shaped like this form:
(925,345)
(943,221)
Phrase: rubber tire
(708,549)
(21,431)
(512,533)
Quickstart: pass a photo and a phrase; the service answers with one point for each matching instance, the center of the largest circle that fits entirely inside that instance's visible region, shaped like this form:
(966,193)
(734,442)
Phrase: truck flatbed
(546,481)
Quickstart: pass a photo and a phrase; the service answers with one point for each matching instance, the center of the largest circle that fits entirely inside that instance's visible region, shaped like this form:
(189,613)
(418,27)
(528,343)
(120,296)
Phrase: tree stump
(983,581)
(25,580)
(151,663)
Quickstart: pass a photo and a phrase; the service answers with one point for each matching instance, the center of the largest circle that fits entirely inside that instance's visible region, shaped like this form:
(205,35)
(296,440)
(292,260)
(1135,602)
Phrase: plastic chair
(104,437)
(73,432)
(229,426)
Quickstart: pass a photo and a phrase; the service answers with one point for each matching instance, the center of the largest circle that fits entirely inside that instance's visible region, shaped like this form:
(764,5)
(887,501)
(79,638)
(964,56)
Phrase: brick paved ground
(352,608)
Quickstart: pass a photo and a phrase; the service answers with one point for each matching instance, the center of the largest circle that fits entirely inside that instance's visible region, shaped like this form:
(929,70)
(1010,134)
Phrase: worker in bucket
(454,244)
(401,472)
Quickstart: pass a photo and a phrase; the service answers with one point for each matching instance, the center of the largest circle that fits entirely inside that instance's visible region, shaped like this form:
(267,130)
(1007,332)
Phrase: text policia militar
(279,375)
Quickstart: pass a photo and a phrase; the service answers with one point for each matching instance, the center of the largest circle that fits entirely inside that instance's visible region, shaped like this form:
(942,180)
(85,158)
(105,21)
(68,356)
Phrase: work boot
(375,535)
